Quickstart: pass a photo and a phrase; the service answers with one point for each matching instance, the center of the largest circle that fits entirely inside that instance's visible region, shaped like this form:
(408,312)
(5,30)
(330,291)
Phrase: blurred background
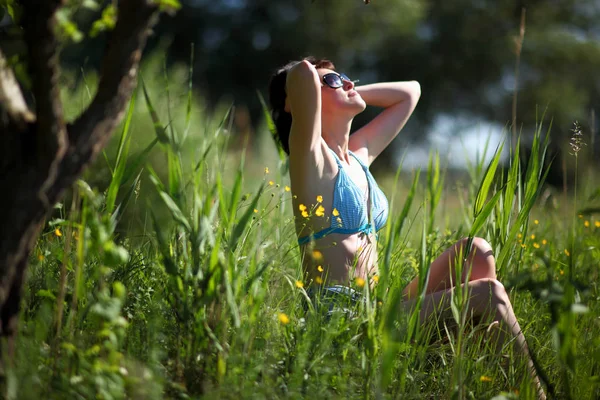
(464,53)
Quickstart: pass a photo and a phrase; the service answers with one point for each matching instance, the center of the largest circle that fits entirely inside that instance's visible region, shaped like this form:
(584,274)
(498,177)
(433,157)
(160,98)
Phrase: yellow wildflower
(562,272)
(320,211)
(255,210)
(319,199)
(523,246)
(271,183)
(484,378)
(302,207)
(375,278)
(532,236)
(40,257)
(318,280)
(537,246)
(284,319)
(567,253)
(266,170)
(580,215)
(544,242)
(305,214)
(535,221)
(299,284)
(317,255)
(320,268)
(519,236)
(57,232)
(335,212)
(586,224)
(597,224)
(287,188)
(360,282)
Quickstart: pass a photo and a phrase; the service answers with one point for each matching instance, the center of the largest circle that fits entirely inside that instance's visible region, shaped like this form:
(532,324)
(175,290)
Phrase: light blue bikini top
(351,204)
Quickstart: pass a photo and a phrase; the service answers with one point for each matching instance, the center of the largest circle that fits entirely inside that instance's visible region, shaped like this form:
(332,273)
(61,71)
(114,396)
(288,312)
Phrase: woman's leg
(442,273)
(487,300)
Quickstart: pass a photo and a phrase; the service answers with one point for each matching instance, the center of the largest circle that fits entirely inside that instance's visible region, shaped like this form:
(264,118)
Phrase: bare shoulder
(360,151)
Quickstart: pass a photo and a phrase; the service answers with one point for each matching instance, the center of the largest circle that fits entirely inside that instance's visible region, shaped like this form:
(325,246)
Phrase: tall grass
(206,298)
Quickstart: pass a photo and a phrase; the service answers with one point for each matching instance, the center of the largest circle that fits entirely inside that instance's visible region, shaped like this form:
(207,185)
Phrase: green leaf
(46,294)
(486,182)
(241,225)
(407,204)
(107,21)
(175,211)
(130,191)
(236,193)
(163,246)
(510,190)
(121,162)
(271,126)
(138,159)
(158,126)
(13,9)
(175,172)
(90,4)
(484,214)
(168,6)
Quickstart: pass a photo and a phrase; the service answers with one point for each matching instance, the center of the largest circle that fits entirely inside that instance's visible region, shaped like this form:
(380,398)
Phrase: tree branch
(51,135)
(89,133)
(11,98)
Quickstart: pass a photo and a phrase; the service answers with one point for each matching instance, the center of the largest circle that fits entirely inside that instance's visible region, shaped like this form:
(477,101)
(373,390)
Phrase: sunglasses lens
(333,80)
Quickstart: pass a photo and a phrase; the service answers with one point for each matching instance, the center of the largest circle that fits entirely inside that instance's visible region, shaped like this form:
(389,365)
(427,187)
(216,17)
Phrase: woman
(338,205)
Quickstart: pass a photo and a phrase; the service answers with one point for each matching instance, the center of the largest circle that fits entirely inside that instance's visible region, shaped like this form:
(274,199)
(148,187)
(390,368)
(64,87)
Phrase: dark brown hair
(277,95)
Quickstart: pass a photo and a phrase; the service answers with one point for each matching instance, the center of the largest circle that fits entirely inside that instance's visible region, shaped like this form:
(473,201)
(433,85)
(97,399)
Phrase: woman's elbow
(415,90)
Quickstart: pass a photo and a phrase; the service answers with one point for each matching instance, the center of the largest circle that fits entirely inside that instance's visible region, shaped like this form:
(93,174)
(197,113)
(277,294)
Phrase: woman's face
(341,100)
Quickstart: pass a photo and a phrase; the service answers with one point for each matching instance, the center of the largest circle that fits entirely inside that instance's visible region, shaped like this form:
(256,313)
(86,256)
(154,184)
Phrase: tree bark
(41,155)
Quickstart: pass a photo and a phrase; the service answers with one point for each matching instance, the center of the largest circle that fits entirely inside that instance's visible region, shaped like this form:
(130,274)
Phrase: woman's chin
(359,105)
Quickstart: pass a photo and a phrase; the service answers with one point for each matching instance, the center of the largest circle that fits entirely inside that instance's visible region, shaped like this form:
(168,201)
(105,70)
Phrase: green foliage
(106,22)
(12,8)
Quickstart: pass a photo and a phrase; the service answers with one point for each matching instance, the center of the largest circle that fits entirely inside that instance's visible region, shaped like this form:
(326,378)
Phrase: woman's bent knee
(483,263)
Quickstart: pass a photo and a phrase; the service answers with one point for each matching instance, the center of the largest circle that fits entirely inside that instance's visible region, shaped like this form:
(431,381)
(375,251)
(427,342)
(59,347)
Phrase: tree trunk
(40,155)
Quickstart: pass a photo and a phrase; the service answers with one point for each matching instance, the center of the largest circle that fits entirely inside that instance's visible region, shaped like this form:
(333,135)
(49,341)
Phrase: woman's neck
(337,134)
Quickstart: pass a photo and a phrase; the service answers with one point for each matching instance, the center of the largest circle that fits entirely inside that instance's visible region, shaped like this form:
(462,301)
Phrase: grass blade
(241,225)
(486,182)
(407,204)
(271,126)
(158,126)
(121,162)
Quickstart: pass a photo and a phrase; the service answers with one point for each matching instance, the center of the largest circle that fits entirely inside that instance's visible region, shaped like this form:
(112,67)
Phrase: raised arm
(398,99)
(304,103)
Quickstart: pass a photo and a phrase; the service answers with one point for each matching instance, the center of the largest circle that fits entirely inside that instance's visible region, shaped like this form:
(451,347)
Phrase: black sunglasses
(336,81)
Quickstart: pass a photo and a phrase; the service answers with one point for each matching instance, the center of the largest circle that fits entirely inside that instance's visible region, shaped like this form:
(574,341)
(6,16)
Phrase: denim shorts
(336,298)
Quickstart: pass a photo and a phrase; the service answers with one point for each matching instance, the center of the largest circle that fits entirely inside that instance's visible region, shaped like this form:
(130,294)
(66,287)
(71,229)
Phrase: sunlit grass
(183,279)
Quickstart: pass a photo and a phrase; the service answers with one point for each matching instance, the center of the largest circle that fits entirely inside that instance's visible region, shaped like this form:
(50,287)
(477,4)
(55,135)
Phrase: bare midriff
(341,257)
